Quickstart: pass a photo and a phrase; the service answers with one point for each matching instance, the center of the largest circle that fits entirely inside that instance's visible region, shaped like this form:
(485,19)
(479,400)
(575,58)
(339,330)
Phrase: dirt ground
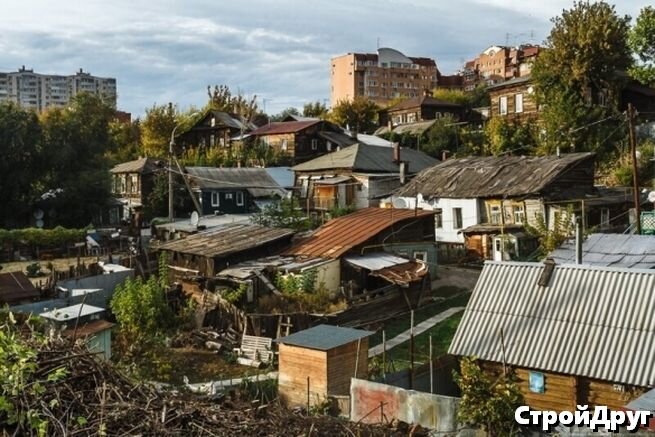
(452,276)
(58,264)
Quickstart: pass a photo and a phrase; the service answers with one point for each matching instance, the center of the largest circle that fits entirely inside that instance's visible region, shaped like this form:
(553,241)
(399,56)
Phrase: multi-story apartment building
(42,91)
(381,76)
(498,64)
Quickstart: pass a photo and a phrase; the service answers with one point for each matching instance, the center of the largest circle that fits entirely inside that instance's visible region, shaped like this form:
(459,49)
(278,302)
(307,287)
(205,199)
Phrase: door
(498,249)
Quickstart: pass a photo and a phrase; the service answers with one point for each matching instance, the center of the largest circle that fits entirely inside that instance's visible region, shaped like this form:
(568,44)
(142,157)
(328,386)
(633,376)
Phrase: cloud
(280,50)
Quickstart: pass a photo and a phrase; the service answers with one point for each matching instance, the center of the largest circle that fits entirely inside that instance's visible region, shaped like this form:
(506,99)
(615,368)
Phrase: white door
(498,249)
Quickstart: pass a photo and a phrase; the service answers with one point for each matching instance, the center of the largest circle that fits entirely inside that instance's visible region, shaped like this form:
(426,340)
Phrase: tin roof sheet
(341,234)
(589,321)
(72,312)
(611,250)
(257,181)
(324,337)
(376,261)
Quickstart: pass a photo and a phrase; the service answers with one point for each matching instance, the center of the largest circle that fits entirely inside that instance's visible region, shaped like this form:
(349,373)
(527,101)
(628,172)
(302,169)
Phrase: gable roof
(141,165)
(423,101)
(257,181)
(232,121)
(595,322)
(509,83)
(225,240)
(284,127)
(324,337)
(341,234)
(15,288)
(479,177)
(611,250)
(368,158)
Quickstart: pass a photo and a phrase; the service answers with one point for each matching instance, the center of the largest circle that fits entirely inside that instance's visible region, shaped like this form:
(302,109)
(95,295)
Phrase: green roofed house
(356,176)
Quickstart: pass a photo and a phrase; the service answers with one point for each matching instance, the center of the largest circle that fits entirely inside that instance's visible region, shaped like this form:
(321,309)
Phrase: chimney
(547,272)
(404,168)
(578,240)
(396,153)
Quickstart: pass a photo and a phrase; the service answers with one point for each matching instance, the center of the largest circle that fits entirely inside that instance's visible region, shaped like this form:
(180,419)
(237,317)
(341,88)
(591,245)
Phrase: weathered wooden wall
(341,364)
(296,364)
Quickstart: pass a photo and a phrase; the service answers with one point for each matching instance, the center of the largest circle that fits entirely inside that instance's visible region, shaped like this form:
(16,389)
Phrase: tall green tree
(577,80)
(22,163)
(359,114)
(284,113)
(156,129)
(314,109)
(642,43)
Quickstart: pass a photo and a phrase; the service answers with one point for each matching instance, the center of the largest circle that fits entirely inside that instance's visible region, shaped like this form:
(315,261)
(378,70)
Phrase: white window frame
(502,105)
(518,103)
(457,225)
(285,145)
(438,218)
(216,198)
(229,196)
(519,214)
(314,144)
(240,198)
(495,214)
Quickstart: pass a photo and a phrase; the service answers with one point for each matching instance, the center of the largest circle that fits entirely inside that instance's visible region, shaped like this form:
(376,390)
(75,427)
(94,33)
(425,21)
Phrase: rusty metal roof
(225,240)
(341,234)
(596,322)
(479,177)
(15,288)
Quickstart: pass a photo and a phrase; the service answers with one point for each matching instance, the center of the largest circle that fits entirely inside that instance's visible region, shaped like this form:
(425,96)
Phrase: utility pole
(635,176)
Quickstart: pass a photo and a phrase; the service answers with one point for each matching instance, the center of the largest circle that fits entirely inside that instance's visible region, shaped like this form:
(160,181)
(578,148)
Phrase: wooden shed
(318,363)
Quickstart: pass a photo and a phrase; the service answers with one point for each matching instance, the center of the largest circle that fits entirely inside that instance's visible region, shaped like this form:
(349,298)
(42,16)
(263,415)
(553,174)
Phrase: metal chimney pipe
(578,240)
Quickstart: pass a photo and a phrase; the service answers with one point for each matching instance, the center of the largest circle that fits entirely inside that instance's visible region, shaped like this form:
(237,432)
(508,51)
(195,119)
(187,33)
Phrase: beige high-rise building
(381,76)
(39,92)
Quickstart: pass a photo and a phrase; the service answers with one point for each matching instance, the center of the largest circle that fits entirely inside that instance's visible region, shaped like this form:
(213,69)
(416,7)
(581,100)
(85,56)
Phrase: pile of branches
(81,394)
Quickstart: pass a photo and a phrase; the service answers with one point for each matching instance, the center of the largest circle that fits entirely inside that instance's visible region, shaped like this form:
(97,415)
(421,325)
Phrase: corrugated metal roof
(589,321)
(341,234)
(256,180)
(141,165)
(476,177)
(282,175)
(324,337)
(375,261)
(364,157)
(224,240)
(72,312)
(15,287)
(611,250)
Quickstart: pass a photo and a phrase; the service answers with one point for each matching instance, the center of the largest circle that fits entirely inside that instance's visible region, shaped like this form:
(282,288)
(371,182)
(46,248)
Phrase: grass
(401,324)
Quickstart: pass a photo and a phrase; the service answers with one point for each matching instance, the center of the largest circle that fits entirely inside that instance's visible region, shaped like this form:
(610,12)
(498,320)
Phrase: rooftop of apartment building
(388,55)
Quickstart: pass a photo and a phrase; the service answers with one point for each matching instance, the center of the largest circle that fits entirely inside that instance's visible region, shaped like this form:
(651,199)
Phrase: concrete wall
(431,411)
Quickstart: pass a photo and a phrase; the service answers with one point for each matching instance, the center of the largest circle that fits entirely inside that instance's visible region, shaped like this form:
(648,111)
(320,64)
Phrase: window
(285,145)
(216,196)
(421,256)
(605,218)
(495,215)
(438,218)
(518,103)
(228,196)
(502,105)
(134,184)
(519,214)
(457,218)
(314,144)
(240,200)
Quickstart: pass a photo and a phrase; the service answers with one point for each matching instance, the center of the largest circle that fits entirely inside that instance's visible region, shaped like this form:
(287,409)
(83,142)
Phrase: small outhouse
(318,363)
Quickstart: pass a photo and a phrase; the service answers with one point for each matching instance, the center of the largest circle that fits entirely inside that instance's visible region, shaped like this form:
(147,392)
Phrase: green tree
(443,135)
(505,136)
(285,113)
(488,403)
(551,237)
(126,141)
(314,109)
(221,98)
(642,42)
(576,78)
(156,129)
(286,213)
(22,163)
(359,114)
(142,310)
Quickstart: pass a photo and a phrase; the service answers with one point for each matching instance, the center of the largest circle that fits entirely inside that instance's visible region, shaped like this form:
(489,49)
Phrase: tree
(126,141)
(285,113)
(642,42)
(443,135)
(359,114)
(504,136)
(486,403)
(576,78)
(315,109)
(222,99)
(156,130)
(22,163)
(286,213)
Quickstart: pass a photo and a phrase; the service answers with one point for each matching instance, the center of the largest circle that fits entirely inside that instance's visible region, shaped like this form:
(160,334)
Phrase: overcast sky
(167,50)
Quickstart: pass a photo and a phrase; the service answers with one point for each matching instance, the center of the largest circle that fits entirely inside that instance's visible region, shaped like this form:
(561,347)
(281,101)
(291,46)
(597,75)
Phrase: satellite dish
(39,222)
(38,214)
(195,218)
(651,197)
(399,203)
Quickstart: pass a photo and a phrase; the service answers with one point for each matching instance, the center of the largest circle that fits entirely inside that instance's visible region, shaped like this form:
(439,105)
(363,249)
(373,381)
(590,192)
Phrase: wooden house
(16,288)
(132,183)
(208,252)
(318,363)
(233,190)
(356,176)
(486,203)
(514,99)
(214,129)
(572,334)
(300,141)
(419,109)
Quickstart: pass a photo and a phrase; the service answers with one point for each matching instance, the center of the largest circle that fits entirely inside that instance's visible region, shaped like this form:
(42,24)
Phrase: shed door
(498,249)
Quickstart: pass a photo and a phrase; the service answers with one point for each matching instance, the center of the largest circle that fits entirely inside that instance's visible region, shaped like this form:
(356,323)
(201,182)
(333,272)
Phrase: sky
(279,50)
